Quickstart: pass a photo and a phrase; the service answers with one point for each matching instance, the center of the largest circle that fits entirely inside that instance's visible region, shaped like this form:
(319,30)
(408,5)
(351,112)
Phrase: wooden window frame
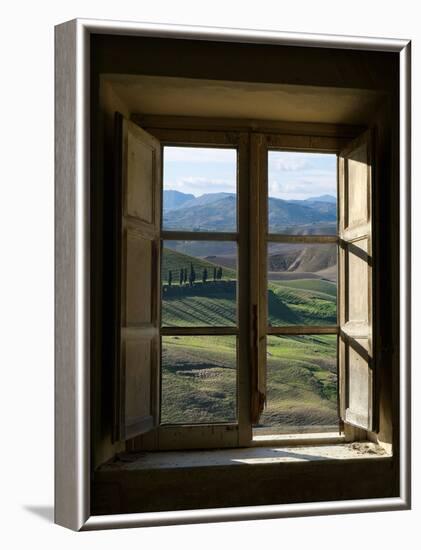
(261,144)
(253,140)
(222,434)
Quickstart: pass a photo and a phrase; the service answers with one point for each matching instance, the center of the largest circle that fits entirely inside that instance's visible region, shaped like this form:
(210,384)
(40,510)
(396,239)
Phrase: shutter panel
(356,366)
(138,175)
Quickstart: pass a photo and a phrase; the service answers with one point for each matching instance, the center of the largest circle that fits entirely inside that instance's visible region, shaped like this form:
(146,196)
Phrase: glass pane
(199,379)
(199,285)
(200,189)
(302,284)
(302,193)
(301,385)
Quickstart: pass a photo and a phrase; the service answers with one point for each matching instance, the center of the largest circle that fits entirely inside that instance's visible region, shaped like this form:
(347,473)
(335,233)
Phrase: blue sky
(292,175)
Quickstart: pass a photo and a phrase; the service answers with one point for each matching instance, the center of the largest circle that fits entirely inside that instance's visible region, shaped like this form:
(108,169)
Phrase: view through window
(200,288)
(199,285)
(302,291)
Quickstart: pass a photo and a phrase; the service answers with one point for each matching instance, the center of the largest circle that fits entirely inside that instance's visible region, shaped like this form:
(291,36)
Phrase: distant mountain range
(175,199)
(321,198)
(217,212)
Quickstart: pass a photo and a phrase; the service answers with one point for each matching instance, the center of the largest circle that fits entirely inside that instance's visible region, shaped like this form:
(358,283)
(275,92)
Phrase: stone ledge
(244,456)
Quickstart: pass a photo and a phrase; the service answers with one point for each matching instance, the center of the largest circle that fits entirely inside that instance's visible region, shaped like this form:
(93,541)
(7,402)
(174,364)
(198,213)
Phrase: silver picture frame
(72,274)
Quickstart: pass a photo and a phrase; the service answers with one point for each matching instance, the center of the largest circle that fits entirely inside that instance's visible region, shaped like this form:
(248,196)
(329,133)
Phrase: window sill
(185,480)
(164,460)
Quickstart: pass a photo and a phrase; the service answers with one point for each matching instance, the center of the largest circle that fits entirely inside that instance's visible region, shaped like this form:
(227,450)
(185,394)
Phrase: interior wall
(102,281)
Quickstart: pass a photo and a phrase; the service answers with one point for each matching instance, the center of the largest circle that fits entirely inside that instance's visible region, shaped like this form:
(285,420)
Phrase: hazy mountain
(206,213)
(207,198)
(174,199)
(217,212)
(292,213)
(322,198)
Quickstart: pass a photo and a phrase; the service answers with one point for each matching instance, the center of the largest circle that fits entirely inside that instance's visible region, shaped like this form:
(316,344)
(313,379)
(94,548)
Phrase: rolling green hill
(316,285)
(199,382)
(199,372)
(214,303)
(301,383)
(310,307)
(198,379)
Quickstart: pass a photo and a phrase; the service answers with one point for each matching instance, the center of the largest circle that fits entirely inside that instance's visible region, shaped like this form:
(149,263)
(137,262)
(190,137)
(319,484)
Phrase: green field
(198,379)
(301,382)
(214,304)
(310,301)
(199,373)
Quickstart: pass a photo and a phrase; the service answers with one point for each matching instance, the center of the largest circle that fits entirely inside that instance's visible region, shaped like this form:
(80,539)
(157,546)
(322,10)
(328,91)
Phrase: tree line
(188,276)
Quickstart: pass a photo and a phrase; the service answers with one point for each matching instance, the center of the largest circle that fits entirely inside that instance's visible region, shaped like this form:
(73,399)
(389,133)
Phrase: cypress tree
(192,276)
(169,277)
(205,275)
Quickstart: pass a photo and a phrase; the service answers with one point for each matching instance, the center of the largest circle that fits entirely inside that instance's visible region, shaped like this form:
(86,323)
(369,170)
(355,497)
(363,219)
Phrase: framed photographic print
(232,274)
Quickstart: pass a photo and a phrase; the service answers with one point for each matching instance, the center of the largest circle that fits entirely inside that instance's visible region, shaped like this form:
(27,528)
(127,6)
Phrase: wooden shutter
(138,198)
(356,365)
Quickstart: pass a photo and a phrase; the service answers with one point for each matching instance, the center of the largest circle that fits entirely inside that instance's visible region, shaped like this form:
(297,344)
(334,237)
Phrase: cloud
(292,175)
(301,175)
(287,163)
(302,188)
(292,161)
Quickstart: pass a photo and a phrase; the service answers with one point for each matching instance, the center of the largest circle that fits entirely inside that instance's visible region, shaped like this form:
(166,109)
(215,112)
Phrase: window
(199,286)
(301,304)
(245,288)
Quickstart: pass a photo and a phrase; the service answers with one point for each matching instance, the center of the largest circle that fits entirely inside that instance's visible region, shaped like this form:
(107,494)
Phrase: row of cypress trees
(185,275)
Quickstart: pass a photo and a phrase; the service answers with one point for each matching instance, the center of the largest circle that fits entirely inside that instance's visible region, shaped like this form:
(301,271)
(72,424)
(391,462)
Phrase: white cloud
(287,163)
(295,175)
(292,175)
(300,187)
(291,161)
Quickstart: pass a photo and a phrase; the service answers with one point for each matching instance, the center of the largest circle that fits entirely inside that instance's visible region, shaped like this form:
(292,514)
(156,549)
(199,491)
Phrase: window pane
(302,284)
(302,193)
(200,189)
(301,385)
(199,379)
(199,283)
